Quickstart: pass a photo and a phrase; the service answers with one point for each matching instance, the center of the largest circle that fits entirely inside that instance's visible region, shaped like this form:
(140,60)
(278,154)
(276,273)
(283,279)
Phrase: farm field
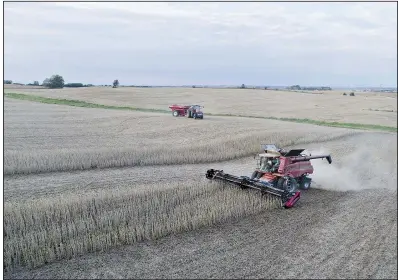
(131,184)
(365,108)
(43,138)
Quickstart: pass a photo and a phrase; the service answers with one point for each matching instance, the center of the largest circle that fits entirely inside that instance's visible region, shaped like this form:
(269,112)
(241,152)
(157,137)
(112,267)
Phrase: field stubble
(329,235)
(48,229)
(102,219)
(330,106)
(353,161)
(60,138)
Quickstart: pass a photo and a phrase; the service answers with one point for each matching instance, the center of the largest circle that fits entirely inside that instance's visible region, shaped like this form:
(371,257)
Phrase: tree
(74,85)
(46,82)
(116,83)
(7,82)
(36,83)
(243,86)
(295,87)
(56,81)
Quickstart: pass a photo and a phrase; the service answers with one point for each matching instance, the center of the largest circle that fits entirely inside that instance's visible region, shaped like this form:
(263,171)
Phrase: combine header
(278,172)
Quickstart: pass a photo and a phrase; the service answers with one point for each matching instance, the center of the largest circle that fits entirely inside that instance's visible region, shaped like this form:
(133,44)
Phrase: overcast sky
(334,44)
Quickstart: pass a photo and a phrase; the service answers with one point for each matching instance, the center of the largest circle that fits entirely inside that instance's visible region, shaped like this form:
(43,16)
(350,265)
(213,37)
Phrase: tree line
(57,81)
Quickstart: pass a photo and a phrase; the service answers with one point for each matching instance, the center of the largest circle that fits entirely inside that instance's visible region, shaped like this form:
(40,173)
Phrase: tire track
(328,235)
(23,187)
(267,245)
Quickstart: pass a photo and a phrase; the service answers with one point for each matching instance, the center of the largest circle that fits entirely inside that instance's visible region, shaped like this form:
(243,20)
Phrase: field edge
(79,103)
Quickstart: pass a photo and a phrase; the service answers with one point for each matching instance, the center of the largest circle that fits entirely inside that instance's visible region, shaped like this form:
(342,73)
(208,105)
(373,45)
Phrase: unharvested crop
(47,138)
(101,209)
(228,148)
(46,230)
(344,234)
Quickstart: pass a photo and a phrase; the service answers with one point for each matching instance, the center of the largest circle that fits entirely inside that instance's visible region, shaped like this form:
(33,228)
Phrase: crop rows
(229,148)
(50,229)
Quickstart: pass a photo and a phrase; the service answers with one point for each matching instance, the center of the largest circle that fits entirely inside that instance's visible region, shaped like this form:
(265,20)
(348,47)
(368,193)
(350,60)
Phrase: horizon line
(223,85)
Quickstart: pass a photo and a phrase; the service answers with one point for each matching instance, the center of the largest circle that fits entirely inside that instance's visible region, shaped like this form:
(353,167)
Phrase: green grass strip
(78,103)
(321,123)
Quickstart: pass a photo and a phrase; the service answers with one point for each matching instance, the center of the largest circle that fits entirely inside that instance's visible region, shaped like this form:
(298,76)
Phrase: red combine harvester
(191,111)
(278,172)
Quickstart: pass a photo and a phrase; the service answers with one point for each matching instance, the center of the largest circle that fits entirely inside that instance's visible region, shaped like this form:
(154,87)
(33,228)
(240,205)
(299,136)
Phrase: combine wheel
(175,113)
(305,183)
(288,184)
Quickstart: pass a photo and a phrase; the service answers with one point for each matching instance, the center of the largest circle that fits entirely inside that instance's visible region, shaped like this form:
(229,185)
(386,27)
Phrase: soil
(329,234)
(344,226)
(364,107)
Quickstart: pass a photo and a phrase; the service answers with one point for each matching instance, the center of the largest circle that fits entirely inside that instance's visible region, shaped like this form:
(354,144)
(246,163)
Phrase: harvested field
(349,154)
(22,87)
(331,235)
(48,138)
(344,227)
(329,106)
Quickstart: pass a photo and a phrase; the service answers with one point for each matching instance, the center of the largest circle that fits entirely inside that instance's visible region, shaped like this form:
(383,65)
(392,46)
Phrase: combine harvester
(278,172)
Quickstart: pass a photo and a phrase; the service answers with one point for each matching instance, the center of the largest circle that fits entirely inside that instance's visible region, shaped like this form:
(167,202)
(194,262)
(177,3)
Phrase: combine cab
(190,111)
(279,172)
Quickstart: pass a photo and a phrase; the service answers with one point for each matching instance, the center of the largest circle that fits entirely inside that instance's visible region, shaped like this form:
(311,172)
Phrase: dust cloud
(358,169)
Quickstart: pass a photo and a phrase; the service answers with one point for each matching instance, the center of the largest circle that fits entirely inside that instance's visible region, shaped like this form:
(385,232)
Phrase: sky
(314,44)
